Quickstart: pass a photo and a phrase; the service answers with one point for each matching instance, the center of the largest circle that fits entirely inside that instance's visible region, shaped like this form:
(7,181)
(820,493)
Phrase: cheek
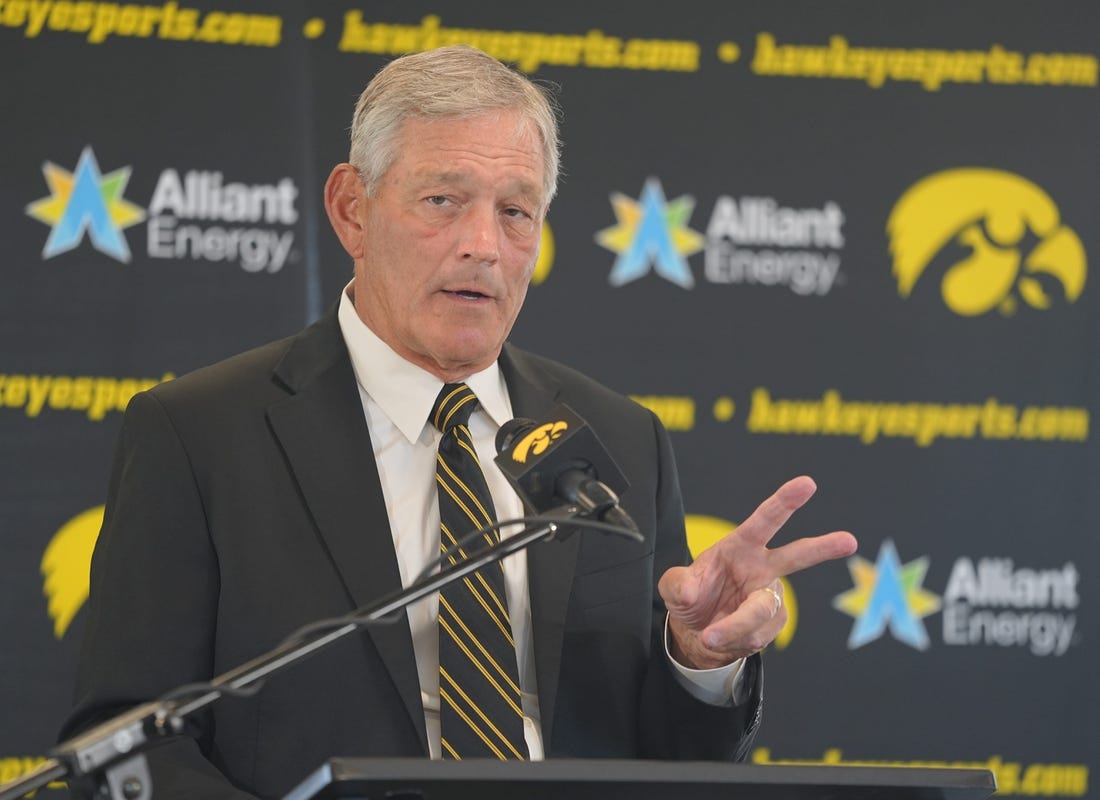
(523,258)
(518,294)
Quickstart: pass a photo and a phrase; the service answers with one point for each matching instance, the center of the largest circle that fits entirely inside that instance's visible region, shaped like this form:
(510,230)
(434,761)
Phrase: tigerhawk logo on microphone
(536,442)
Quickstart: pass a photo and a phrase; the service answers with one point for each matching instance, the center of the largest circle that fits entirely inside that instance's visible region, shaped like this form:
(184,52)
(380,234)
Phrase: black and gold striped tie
(479,699)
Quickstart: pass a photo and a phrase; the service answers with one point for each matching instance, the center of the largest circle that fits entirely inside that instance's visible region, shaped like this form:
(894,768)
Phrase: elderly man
(300,480)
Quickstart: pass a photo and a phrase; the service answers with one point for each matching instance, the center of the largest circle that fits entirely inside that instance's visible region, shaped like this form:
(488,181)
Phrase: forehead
(502,145)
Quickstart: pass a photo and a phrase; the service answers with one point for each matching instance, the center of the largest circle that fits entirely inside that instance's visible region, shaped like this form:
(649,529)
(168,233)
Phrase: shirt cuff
(721,686)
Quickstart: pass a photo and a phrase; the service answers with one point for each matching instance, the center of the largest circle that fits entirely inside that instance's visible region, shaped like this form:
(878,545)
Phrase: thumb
(677,588)
(681,590)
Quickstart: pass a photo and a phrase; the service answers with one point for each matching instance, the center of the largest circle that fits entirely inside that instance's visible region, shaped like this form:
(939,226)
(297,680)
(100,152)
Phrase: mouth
(466,294)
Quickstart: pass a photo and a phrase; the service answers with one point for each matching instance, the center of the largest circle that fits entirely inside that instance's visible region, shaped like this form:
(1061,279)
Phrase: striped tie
(479,700)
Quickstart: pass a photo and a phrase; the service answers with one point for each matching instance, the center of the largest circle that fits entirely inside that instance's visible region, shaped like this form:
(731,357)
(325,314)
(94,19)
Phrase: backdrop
(841,238)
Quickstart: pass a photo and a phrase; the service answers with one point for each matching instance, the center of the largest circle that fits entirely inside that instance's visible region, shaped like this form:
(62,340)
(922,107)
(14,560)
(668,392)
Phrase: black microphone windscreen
(539,452)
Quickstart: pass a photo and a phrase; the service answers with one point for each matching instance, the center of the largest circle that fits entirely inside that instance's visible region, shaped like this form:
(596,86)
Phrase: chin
(477,357)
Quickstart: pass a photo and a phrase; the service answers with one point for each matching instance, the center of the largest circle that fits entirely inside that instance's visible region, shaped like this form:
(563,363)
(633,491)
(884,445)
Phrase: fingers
(774,512)
(806,553)
(729,602)
(752,627)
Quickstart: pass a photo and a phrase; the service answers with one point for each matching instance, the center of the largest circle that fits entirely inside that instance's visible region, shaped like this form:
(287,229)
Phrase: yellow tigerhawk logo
(538,440)
(704,531)
(990,212)
(65,567)
(545,261)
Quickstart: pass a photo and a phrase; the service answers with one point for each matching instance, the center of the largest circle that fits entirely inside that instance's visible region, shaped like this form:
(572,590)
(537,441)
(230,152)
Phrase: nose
(480,235)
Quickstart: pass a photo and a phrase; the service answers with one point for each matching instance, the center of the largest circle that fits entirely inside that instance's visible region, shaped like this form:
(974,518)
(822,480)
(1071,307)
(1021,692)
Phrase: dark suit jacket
(244,502)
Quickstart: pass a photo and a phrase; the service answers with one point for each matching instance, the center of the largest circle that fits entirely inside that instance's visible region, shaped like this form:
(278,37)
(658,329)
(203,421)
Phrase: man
(298,481)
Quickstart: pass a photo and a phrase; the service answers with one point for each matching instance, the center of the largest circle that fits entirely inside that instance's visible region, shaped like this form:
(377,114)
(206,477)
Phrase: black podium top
(420,779)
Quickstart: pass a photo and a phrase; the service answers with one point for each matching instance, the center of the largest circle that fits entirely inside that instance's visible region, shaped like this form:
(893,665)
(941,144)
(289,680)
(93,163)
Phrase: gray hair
(455,82)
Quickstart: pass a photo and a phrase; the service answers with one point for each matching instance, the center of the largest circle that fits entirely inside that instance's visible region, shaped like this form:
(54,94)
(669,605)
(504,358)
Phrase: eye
(440,200)
(516,213)
(519,221)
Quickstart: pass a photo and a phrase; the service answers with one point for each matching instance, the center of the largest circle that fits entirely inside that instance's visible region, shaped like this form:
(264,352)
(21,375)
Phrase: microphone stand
(110,757)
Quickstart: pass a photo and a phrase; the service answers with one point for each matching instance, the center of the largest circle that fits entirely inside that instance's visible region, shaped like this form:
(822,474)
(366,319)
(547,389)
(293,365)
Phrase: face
(449,240)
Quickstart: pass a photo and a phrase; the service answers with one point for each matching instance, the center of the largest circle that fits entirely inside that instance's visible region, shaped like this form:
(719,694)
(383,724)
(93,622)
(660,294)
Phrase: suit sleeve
(674,724)
(153,599)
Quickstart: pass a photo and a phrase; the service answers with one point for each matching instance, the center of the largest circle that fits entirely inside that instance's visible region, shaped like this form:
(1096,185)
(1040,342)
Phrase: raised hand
(728,603)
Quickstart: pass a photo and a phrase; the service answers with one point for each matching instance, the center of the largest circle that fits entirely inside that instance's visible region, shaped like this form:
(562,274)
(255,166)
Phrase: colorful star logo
(651,233)
(887,593)
(86,201)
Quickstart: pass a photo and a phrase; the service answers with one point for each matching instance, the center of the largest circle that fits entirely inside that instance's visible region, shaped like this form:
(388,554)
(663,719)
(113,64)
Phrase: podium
(420,779)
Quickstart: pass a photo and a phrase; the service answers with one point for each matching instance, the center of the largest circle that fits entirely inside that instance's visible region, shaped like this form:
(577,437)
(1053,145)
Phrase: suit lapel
(550,565)
(321,428)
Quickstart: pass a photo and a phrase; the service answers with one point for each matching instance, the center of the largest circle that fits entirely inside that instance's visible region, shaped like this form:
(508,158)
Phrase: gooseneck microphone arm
(109,758)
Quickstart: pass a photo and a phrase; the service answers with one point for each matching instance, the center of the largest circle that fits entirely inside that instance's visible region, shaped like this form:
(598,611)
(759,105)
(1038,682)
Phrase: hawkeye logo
(750,241)
(536,442)
(1019,249)
(195,215)
(86,201)
(887,594)
(65,567)
(545,261)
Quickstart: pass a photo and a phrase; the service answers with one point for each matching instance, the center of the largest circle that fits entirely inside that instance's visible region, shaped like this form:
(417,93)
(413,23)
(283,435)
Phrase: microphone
(560,461)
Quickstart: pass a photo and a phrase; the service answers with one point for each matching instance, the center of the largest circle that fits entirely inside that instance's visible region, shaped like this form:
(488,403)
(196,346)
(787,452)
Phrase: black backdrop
(846,239)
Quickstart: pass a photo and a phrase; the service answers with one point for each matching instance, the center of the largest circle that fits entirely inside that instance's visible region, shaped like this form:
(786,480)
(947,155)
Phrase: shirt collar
(403,391)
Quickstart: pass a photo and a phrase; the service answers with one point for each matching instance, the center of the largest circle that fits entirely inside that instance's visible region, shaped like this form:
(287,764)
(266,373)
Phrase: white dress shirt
(397,399)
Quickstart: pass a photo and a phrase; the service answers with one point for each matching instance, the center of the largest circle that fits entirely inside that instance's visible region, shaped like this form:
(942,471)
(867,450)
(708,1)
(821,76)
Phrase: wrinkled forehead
(439,147)
(523,127)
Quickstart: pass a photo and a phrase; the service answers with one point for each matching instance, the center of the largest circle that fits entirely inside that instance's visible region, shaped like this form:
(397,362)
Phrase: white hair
(449,82)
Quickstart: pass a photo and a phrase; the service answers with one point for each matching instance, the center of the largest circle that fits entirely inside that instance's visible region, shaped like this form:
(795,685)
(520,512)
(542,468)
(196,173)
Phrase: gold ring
(775,596)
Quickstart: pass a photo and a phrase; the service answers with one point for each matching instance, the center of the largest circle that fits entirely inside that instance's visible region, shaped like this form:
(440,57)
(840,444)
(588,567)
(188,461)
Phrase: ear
(344,198)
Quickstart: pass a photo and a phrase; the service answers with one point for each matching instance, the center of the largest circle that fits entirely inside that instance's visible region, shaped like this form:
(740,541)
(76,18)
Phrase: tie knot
(453,407)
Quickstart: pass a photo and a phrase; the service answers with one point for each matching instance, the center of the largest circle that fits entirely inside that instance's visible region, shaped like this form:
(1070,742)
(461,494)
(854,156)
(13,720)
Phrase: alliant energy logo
(749,241)
(197,215)
(992,602)
(651,233)
(755,240)
(201,216)
(987,603)
(85,201)
(989,238)
(888,594)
